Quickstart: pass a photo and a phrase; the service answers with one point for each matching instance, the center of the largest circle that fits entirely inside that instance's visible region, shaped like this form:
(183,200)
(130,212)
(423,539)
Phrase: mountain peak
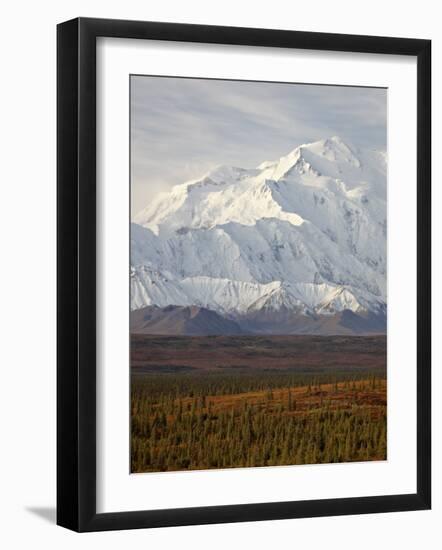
(330,141)
(337,139)
(334,149)
(309,158)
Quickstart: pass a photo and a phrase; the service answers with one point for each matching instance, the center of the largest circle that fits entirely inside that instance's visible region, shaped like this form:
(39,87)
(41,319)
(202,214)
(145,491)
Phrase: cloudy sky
(181,128)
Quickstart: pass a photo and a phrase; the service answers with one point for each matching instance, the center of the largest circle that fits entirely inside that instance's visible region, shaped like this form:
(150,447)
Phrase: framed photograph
(243,274)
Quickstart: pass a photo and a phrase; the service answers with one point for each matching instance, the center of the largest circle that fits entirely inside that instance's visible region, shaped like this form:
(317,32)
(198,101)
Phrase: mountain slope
(176,320)
(306,233)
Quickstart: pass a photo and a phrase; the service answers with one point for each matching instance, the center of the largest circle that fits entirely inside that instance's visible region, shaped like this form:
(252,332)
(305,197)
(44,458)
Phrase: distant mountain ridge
(198,321)
(181,320)
(303,236)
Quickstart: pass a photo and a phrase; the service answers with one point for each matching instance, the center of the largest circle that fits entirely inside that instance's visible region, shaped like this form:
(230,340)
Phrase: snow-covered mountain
(304,234)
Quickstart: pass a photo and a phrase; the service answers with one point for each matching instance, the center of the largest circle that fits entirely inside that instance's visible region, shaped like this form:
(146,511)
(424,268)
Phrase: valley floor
(263,402)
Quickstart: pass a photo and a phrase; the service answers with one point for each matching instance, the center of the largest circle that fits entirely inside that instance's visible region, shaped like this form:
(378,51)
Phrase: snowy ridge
(305,233)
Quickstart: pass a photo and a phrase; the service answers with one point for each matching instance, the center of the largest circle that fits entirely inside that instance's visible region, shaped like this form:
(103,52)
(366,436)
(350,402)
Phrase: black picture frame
(76,274)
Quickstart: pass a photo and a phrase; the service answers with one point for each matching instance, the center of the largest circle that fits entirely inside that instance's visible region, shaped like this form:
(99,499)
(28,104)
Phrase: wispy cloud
(183,127)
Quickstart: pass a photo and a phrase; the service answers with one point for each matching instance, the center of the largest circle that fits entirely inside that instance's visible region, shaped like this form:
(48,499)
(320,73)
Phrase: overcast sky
(181,128)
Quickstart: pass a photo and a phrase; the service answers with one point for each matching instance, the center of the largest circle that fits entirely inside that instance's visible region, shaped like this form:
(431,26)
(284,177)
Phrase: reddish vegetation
(339,396)
(308,424)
